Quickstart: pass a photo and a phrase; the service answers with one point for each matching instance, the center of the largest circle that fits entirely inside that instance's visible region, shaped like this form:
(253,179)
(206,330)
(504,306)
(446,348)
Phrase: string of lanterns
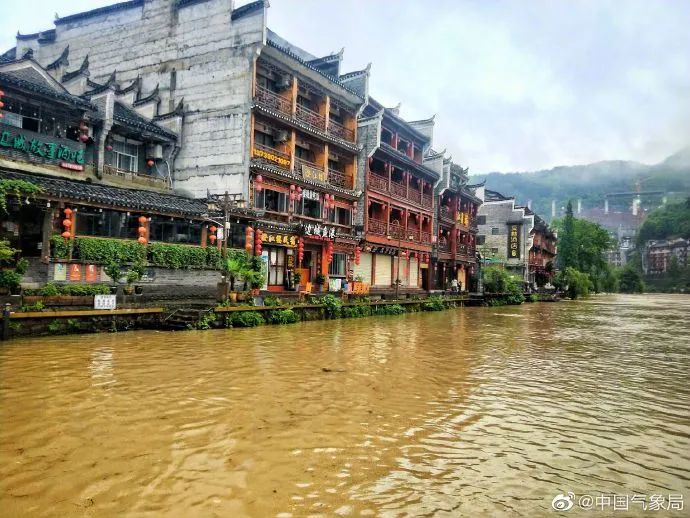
(142,231)
(67,223)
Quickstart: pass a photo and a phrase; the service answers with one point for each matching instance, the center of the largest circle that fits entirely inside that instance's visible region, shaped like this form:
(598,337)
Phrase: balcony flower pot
(128,289)
(232,296)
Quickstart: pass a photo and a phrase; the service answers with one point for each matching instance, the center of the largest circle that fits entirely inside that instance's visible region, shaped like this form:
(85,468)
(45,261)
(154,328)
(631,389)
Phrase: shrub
(245,319)
(332,306)
(574,282)
(498,280)
(433,303)
(282,316)
(390,309)
(9,279)
(272,301)
(356,311)
(61,246)
(205,322)
(214,259)
(178,256)
(53,290)
(103,251)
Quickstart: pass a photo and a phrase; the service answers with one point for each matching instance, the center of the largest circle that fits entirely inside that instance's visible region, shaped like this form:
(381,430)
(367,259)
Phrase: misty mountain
(591,182)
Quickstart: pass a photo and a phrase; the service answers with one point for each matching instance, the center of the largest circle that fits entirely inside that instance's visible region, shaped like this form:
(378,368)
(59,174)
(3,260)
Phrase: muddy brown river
(467,412)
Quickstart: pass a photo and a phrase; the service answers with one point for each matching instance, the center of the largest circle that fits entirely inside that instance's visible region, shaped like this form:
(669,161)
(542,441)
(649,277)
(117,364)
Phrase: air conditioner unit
(281,136)
(284,82)
(154,151)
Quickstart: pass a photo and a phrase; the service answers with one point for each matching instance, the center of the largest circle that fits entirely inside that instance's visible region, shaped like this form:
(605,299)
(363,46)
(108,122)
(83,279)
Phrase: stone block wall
(194,53)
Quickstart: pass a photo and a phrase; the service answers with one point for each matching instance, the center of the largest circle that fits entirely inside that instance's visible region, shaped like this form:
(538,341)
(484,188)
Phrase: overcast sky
(515,85)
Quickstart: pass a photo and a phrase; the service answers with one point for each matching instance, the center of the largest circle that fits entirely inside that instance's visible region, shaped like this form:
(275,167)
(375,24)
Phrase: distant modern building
(658,254)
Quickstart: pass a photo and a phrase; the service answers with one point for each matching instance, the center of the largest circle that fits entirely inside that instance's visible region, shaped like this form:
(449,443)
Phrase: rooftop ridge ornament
(83,69)
(60,61)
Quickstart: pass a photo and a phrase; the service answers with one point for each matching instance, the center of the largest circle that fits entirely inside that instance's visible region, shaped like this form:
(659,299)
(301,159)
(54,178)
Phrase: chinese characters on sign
(312,173)
(271,157)
(280,239)
(49,150)
(319,231)
(513,241)
(615,502)
(104,302)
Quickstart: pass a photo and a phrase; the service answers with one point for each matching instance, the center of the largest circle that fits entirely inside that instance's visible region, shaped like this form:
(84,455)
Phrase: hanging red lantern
(66,234)
(142,240)
(258,242)
(212,238)
(150,162)
(213,228)
(108,147)
(68,212)
(67,223)
(141,230)
(142,220)
(258,183)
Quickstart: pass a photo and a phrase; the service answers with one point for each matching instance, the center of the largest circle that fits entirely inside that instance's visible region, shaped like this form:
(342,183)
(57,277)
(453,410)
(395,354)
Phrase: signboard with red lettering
(75,272)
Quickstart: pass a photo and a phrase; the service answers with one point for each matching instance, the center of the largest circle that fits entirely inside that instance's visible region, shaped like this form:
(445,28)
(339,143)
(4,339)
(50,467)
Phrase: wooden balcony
(398,189)
(424,237)
(338,178)
(444,247)
(446,213)
(401,191)
(271,155)
(378,182)
(338,130)
(273,100)
(376,226)
(310,117)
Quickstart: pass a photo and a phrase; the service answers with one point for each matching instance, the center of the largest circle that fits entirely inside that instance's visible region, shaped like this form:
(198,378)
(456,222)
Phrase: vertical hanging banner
(60,273)
(75,272)
(91,273)
(513,241)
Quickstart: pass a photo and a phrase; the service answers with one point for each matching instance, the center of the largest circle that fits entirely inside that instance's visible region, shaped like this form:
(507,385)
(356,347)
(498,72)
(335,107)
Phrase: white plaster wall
(213,58)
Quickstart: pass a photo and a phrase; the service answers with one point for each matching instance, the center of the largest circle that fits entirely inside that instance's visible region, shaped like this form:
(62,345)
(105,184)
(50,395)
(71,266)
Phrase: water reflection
(470,412)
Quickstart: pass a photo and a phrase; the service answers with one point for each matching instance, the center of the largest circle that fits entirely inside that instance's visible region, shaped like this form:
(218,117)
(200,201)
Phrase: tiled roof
(132,118)
(246,9)
(275,44)
(9,55)
(76,191)
(29,79)
(101,10)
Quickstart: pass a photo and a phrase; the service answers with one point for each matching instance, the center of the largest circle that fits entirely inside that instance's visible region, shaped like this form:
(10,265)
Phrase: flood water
(467,412)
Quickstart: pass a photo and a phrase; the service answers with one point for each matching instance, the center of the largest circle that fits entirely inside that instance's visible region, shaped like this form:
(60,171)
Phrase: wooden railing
(338,130)
(376,226)
(425,238)
(414,195)
(446,213)
(338,178)
(273,100)
(299,162)
(398,189)
(310,117)
(444,246)
(427,201)
(398,232)
(378,182)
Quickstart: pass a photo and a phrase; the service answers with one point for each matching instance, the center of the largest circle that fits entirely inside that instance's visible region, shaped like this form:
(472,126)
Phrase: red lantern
(142,240)
(68,212)
(150,162)
(141,230)
(108,147)
(403,254)
(258,183)
(213,228)
(66,234)
(212,238)
(142,220)
(67,223)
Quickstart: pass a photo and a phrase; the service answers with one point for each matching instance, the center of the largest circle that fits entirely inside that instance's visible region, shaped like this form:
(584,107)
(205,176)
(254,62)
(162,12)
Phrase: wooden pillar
(293,139)
(47,232)
(295,89)
(389,168)
(204,236)
(407,184)
(327,113)
(388,219)
(325,160)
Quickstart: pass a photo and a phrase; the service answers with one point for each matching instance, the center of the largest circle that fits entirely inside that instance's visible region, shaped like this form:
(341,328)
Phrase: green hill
(592,182)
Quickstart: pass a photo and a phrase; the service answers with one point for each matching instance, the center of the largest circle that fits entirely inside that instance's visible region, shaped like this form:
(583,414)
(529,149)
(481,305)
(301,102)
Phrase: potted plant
(11,270)
(296,278)
(114,271)
(236,263)
(135,273)
(320,280)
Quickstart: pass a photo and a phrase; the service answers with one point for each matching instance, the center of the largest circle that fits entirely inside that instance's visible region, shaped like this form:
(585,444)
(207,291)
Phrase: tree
(574,283)
(566,240)
(17,188)
(630,281)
